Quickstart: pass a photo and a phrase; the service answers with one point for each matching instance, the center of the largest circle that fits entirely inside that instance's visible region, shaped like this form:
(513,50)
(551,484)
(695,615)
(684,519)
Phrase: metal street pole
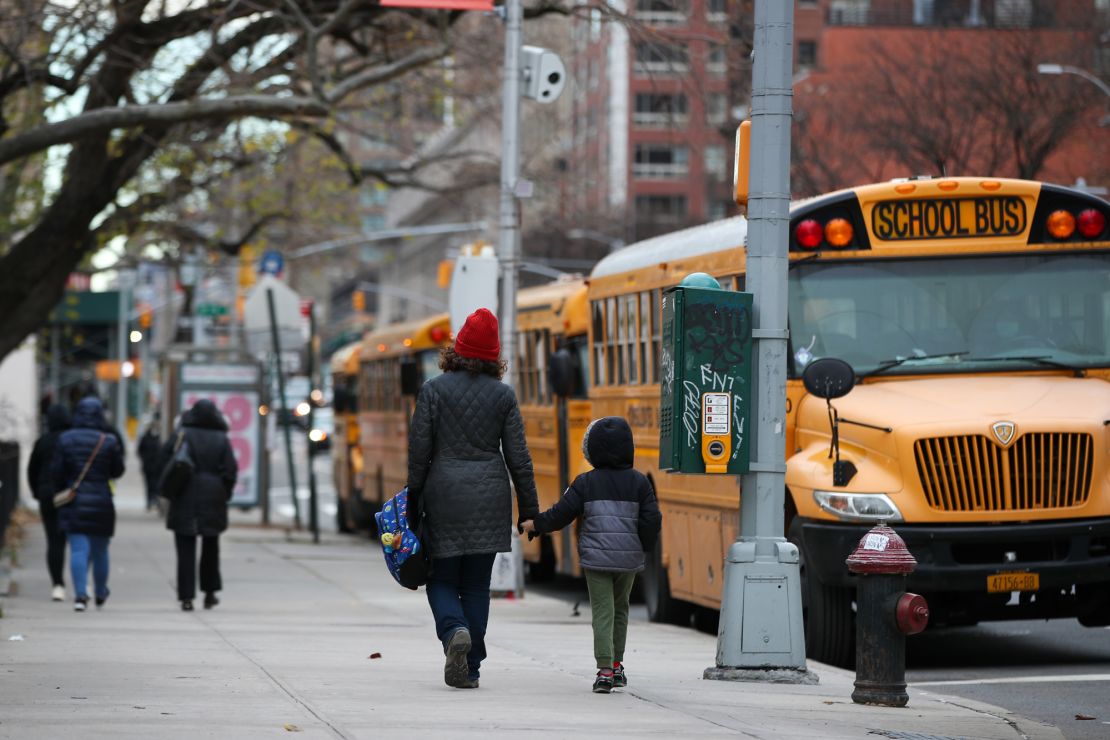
(509,212)
(314,511)
(284,408)
(761,636)
(123,349)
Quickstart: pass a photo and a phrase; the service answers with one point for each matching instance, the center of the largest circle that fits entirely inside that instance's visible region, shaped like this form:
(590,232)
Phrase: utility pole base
(761,613)
(802,676)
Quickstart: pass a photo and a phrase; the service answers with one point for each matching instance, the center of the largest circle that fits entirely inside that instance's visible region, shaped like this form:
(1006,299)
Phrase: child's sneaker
(619,680)
(603,684)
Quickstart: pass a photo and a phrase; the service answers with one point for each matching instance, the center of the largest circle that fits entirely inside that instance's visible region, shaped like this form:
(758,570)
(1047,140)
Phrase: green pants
(609,605)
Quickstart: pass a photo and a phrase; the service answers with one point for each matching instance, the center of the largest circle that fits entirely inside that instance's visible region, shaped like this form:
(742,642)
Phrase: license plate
(1005,582)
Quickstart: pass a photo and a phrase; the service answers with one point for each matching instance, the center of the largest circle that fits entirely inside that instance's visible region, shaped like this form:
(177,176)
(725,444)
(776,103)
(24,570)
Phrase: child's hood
(608,443)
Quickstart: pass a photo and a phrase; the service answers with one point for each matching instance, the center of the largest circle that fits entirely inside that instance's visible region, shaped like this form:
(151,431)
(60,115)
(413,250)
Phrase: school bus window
(644,341)
(738,283)
(612,354)
(631,334)
(364,385)
(599,343)
(540,349)
(656,331)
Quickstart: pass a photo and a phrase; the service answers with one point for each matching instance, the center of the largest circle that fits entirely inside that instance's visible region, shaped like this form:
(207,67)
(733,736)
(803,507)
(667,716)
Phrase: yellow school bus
(394,361)
(975,313)
(552,321)
(346,456)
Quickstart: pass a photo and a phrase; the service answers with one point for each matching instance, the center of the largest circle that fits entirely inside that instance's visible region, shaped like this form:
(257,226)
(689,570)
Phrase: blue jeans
(82,548)
(458,593)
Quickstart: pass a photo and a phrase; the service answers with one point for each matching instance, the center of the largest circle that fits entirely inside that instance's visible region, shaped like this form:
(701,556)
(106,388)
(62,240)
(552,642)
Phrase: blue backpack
(405,555)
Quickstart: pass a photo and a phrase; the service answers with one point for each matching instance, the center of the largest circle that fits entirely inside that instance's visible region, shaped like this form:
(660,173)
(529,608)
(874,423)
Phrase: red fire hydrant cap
(881,552)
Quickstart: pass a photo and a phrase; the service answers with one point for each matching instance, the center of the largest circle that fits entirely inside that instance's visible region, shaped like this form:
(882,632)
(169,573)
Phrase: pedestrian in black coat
(42,487)
(150,453)
(466,430)
(201,508)
(89,521)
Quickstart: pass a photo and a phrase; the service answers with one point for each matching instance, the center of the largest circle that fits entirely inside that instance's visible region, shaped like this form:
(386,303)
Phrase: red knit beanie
(478,338)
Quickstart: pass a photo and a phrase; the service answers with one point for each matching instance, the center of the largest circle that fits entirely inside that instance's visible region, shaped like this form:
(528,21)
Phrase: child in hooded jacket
(620,521)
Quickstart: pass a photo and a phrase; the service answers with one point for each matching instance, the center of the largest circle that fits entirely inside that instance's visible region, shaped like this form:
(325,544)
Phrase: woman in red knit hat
(466,431)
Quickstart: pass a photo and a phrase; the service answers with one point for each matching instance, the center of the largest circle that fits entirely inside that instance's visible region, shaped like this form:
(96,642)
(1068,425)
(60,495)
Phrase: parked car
(323,426)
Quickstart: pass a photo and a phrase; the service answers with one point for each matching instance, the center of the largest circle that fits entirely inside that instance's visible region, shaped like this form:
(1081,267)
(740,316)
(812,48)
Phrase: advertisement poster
(240,408)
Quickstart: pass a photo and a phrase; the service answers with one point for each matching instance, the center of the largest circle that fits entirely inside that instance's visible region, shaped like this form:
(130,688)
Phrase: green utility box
(705,378)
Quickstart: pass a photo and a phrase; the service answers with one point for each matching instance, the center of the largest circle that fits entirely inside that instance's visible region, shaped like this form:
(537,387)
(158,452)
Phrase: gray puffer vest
(465,430)
(620,516)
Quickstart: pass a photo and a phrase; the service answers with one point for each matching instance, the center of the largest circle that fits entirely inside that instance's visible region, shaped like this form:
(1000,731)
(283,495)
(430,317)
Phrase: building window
(662,12)
(715,10)
(716,61)
(716,162)
(717,210)
(807,53)
(659,111)
(660,162)
(661,209)
(716,109)
(661,59)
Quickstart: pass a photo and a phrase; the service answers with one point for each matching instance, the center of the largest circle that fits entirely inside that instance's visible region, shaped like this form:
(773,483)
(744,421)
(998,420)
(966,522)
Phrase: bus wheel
(1099,616)
(661,606)
(341,522)
(544,569)
(830,623)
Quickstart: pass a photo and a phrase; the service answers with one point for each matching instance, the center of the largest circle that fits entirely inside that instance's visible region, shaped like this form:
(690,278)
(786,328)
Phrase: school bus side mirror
(829,377)
(563,373)
(410,378)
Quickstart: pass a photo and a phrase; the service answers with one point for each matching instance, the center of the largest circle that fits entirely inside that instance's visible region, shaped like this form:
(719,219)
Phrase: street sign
(211,309)
(272,262)
(287,310)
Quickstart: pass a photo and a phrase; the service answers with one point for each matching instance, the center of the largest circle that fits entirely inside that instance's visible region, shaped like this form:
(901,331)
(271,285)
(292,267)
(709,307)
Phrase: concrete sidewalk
(291,646)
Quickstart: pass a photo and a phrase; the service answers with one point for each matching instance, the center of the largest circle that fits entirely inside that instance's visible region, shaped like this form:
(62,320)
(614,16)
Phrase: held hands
(528,526)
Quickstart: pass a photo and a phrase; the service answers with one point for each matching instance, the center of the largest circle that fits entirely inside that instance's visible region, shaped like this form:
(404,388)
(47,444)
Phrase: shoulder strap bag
(62,498)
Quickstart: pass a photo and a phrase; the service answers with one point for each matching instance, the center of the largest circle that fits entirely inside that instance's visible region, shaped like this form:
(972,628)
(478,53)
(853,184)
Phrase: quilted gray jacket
(465,430)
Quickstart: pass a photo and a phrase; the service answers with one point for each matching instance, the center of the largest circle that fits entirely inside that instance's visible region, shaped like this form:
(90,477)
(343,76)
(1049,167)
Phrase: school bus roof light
(1061,224)
(1091,223)
(381,346)
(838,232)
(809,234)
(407,342)
(437,334)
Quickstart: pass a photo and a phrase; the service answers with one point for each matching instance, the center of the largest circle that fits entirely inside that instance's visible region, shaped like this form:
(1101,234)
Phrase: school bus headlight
(858,507)
(1061,224)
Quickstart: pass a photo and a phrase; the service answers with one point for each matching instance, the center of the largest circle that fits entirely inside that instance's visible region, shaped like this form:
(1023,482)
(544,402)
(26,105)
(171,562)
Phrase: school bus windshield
(923,316)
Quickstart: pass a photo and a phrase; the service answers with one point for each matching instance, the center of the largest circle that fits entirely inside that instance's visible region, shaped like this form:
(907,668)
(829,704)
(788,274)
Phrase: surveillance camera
(543,73)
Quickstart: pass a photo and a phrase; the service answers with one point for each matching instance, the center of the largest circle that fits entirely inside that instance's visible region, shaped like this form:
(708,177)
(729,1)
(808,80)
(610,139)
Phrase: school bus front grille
(1043,470)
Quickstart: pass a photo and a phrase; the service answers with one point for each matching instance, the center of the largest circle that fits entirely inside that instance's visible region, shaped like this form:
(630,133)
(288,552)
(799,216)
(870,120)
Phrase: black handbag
(179,470)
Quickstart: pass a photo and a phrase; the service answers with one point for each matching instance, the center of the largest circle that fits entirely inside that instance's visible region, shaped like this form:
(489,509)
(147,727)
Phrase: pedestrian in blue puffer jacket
(89,521)
(620,521)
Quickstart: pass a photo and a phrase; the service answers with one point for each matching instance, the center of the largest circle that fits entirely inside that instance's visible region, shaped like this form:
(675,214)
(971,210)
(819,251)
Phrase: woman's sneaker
(58,593)
(603,684)
(455,671)
(80,603)
(101,599)
(619,680)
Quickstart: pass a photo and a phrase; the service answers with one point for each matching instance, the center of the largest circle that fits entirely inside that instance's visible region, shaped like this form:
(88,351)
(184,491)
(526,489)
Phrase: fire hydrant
(885,614)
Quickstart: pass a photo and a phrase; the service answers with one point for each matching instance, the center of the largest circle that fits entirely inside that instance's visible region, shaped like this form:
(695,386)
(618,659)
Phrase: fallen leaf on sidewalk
(373,656)
(1084,716)
(292,728)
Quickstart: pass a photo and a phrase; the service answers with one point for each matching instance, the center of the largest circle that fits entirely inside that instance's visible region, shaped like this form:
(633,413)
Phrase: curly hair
(451,361)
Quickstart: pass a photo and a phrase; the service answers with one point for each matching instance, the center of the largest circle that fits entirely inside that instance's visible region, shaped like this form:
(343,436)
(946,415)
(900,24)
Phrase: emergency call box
(705,376)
